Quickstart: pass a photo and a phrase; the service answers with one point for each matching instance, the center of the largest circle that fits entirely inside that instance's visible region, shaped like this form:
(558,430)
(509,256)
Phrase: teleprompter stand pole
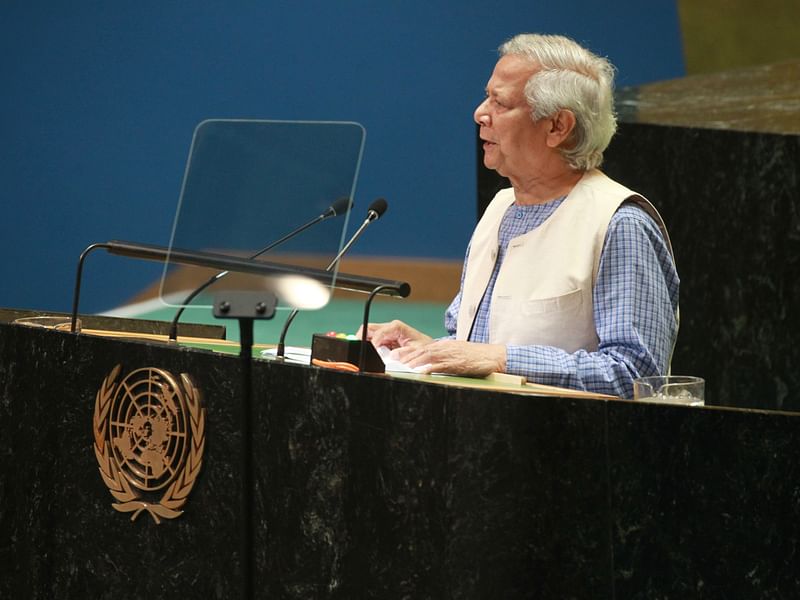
(246,307)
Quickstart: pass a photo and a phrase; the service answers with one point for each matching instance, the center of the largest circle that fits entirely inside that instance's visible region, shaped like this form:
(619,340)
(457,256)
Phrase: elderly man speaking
(569,278)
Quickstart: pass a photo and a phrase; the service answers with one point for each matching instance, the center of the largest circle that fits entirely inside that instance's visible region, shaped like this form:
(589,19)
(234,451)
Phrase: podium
(369,486)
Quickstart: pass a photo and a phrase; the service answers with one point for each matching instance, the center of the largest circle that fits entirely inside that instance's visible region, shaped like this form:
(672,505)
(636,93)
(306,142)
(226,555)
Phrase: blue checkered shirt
(634,305)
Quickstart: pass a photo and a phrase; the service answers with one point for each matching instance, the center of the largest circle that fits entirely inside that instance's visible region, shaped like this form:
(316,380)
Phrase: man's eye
(493,101)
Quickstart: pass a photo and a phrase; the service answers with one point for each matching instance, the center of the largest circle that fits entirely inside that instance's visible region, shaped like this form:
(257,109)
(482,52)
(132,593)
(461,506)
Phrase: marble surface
(729,200)
(370,487)
(696,510)
(763,99)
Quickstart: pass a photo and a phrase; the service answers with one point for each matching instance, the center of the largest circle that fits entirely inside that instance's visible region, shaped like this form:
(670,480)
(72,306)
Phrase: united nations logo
(149,436)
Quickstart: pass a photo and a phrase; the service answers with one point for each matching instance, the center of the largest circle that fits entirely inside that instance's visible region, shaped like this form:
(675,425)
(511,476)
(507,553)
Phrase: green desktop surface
(343,315)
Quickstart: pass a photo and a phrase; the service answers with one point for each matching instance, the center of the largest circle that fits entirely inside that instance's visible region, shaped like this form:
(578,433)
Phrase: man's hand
(454,357)
(395,334)
(416,349)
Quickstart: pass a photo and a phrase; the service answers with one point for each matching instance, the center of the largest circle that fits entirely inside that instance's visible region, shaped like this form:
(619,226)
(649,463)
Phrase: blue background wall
(99,101)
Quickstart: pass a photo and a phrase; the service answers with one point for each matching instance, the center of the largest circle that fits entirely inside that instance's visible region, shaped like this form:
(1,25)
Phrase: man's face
(512,141)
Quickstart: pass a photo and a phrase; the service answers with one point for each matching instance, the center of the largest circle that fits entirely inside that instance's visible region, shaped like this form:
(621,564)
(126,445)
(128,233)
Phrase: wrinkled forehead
(510,74)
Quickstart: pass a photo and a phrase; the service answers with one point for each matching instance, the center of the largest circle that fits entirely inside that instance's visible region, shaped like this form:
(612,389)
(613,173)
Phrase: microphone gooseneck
(340,207)
(374,212)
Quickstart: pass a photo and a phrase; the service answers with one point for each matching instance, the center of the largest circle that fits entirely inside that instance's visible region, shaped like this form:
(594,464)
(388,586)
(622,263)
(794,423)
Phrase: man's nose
(481,116)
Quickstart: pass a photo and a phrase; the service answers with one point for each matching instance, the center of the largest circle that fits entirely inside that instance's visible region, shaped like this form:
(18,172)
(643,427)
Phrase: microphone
(340,207)
(374,212)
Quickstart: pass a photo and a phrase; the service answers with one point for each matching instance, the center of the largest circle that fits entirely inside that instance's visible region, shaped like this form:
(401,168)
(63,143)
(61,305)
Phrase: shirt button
(472,311)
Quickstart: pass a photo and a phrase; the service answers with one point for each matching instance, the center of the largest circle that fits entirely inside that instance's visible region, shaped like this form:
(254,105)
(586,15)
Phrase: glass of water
(670,389)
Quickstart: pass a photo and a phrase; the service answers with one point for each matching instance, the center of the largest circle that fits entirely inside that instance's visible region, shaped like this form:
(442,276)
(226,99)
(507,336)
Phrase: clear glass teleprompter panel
(249,183)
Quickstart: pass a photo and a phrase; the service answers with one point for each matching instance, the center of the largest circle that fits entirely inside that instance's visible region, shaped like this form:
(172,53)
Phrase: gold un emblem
(149,435)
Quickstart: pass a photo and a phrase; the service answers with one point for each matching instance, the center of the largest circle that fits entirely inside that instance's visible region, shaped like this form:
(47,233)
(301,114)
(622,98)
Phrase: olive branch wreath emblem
(181,482)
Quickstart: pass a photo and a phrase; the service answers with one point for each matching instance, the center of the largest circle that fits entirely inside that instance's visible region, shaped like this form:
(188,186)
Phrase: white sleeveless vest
(543,293)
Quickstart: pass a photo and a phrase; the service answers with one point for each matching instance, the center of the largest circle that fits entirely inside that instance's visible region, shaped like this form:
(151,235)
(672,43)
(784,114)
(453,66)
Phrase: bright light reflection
(300,292)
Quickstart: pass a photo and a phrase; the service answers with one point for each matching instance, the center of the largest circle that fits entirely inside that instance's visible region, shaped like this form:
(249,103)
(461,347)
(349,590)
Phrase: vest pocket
(540,306)
(563,321)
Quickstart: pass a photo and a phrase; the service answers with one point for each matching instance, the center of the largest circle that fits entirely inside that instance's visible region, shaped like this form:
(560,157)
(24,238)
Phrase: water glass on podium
(670,389)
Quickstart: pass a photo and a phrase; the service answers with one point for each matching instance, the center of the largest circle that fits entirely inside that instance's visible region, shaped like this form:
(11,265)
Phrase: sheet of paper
(395,366)
(294,354)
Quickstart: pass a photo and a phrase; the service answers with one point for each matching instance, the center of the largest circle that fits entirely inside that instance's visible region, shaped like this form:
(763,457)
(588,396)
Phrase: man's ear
(561,126)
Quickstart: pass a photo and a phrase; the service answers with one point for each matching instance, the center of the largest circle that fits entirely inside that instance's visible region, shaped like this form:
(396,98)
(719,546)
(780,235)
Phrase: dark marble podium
(374,487)
(720,156)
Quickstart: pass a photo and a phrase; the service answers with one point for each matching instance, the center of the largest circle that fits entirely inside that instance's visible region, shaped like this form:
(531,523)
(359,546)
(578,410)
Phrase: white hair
(570,77)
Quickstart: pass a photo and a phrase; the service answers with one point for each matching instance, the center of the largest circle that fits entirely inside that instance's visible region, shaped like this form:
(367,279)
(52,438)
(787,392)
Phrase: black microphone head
(341,206)
(376,209)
